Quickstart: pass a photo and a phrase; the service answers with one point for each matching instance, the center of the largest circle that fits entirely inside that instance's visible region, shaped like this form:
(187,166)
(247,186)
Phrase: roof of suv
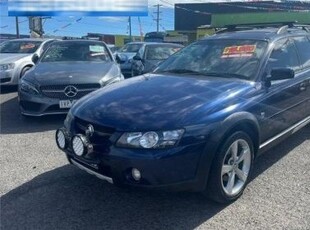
(258,34)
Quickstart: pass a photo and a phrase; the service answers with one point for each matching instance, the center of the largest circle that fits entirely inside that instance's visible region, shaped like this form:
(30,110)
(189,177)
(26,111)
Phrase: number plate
(65,104)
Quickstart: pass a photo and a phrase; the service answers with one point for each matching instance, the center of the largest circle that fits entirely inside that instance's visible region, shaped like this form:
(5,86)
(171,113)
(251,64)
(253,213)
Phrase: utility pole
(157,19)
(130,36)
(17,27)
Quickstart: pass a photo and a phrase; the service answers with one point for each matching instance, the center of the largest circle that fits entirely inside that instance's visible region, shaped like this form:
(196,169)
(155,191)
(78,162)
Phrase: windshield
(130,48)
(76,51)
(23,47)
(160,52)
(218,58)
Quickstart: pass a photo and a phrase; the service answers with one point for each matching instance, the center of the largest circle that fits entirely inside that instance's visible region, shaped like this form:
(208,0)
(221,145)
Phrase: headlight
(114,80)
(148,140)
(5,67)
(27,87)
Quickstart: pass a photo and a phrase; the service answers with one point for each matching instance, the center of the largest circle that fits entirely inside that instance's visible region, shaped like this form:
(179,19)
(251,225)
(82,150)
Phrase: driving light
(80,145)
(136,174)
(152,139)
(61,139)
(5,67)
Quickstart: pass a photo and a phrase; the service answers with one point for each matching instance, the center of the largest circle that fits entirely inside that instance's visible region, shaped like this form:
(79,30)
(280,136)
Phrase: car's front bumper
(174,168)
(38,105)
(8,77)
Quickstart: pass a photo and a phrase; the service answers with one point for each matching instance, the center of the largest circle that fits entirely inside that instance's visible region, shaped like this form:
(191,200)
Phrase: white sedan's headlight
(148,140)
(27,87)
(4,67)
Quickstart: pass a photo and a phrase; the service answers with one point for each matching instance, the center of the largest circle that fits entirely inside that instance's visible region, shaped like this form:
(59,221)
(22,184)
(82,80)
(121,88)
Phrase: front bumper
(38,105)
(172,169)
(8,77)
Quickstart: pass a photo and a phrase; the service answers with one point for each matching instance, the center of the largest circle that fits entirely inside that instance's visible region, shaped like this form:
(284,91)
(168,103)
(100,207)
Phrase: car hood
(71,72)
(153,102)
(6,58)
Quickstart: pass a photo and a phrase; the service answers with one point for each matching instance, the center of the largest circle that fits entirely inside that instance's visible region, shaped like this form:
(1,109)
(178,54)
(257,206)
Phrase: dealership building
(205,15)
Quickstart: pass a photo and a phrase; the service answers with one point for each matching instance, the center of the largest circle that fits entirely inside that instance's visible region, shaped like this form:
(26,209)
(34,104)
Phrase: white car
(16,57)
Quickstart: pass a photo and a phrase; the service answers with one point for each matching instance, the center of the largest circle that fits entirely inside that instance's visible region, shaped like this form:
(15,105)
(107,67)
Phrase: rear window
(130,48)
(160,52)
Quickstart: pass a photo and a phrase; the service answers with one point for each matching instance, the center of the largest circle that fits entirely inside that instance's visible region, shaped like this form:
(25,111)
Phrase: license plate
(65,104)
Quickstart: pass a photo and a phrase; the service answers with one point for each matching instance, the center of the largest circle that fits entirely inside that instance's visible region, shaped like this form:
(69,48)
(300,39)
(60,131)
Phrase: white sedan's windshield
(223,58)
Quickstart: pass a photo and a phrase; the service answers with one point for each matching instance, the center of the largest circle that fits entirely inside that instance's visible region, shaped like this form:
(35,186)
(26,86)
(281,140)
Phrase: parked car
(67,71)
(16,57)
(125,54)
(201,118)
(150,55)
(113,48)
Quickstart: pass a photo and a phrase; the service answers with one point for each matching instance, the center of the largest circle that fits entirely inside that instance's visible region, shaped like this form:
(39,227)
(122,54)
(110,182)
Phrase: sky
(105,25)
(59,26)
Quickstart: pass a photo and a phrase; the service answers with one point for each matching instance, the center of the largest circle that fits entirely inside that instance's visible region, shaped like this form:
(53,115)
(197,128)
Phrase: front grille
(57,91)
(101,135)
(3,80)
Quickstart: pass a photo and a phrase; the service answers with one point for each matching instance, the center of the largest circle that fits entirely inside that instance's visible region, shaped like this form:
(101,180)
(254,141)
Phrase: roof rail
(282,29)
(249,26)
(305,27)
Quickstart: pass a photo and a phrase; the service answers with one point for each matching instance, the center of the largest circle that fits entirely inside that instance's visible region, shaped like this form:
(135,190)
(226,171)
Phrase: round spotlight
(78,145)
(136,174)
(61,139)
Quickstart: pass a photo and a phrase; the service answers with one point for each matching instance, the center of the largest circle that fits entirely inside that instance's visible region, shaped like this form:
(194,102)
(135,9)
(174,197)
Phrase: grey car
(16,57)
(67,71)
(150,55)
(126,53)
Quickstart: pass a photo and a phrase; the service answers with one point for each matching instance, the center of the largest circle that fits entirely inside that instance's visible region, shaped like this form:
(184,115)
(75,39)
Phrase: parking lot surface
(39,190)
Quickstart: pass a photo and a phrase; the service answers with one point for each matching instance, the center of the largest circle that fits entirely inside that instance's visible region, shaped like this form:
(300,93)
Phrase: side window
(284,55)
(303,47)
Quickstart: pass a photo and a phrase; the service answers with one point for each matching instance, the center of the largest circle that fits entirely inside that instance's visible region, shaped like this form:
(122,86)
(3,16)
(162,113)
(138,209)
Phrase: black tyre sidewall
(214,188)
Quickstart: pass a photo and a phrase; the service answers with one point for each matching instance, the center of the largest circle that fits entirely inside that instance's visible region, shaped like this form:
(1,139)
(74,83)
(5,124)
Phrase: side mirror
(137,58)
(281,74)
(35,58)
(120,58)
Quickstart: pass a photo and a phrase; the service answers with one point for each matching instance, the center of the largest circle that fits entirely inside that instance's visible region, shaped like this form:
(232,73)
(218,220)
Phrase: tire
(229,175)
(24,70)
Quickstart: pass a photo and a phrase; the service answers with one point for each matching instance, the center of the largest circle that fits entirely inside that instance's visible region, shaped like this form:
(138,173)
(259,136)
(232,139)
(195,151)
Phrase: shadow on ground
(67,198)
(7,89)
(12,122)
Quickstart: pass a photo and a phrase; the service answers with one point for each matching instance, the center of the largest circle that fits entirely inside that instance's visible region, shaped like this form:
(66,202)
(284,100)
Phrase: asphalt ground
(40,190)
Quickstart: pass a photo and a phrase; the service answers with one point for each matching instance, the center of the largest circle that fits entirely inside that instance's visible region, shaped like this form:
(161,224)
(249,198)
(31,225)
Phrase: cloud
(114,19)
(170,3)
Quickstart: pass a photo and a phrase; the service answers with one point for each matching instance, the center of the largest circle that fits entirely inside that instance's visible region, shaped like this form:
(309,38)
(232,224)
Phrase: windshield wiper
(181,71)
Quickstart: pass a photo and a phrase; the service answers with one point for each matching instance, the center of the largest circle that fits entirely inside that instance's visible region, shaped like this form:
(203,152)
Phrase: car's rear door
(285,101)
(303,48)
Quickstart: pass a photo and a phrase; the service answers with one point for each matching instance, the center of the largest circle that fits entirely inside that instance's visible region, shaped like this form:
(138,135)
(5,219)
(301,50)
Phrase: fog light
(136,175)
(61,139)
(81,145)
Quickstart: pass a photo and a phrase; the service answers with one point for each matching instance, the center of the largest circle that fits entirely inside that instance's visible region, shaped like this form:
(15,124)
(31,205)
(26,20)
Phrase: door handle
(303,86)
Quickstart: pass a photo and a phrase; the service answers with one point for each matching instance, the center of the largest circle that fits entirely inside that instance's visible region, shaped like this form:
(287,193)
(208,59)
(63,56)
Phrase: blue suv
(201,118)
